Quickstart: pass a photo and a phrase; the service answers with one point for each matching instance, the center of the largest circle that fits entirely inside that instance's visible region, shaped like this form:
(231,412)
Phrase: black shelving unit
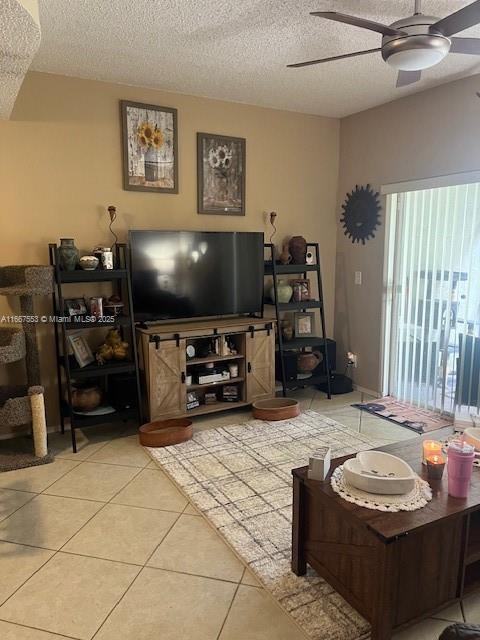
(67,368)
(274,269)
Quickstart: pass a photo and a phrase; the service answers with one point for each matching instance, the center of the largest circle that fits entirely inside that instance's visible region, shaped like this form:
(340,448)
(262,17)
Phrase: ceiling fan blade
(345,55)
(465,45)
(407,77)
(467,17)
(357,22)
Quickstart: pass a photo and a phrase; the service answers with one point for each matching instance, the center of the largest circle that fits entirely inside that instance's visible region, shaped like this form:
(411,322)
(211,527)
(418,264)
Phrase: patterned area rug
(239,477)
(406,415)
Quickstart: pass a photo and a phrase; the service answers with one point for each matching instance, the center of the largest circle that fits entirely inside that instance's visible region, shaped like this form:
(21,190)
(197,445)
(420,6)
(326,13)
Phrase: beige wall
(432,133)
(60,166)
(32,7)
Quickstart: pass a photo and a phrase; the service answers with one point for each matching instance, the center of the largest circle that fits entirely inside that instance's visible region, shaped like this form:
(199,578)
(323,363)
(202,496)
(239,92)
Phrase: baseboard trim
(370,392)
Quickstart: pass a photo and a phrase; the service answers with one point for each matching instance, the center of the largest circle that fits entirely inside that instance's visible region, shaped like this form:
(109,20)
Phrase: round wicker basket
(163,433)
(276,409)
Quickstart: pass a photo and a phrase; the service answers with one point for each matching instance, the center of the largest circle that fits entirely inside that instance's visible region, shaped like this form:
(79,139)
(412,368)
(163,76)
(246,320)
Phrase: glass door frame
(393,195)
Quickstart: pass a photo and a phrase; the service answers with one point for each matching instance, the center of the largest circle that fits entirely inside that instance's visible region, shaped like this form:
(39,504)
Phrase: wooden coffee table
(393,568)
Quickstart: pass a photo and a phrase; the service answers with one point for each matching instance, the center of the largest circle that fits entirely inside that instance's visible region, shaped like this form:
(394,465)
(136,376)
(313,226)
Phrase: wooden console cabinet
(164,365)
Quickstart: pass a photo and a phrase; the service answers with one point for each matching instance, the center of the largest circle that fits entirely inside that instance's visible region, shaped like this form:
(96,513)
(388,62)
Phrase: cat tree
(24,404)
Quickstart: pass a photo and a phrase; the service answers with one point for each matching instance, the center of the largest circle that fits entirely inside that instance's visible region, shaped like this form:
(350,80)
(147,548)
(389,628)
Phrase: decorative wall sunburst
(361,214)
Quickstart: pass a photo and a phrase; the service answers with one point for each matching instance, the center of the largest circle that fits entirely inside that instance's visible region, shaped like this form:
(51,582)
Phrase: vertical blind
(434,355)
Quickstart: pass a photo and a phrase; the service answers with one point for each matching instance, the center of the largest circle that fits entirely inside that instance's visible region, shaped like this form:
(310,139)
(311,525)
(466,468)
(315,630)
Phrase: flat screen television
(191,274)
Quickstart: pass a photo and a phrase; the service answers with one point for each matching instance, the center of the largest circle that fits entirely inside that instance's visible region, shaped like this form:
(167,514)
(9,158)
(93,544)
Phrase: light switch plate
(358,277)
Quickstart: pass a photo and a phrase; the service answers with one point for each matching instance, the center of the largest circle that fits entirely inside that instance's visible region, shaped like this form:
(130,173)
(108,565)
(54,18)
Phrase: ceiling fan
(415,43)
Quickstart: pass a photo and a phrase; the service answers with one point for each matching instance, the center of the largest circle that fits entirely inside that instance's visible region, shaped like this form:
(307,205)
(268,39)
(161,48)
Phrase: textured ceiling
(19,38)
(237,49)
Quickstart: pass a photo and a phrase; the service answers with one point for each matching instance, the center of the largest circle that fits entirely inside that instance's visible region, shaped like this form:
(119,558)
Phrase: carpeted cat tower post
(20,405)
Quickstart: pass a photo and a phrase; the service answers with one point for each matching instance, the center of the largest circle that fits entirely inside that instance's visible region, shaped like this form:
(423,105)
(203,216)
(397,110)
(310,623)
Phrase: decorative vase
(307,362)
(284,291)
(86,397)
(298,249)
(68,254)
(285,256)
(151,165)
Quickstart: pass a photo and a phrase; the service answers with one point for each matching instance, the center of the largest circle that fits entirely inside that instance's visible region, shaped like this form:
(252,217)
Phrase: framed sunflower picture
(220,174)
(150,155)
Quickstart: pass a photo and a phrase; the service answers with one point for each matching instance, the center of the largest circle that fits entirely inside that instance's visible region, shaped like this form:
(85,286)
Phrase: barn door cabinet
(166,388)
(165,367)
(260,353)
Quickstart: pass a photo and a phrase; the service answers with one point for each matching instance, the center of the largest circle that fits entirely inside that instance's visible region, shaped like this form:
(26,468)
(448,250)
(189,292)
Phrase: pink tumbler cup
(460,458)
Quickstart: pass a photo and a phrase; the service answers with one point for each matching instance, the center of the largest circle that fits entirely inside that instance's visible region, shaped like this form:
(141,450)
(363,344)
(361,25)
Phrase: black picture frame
(299,319)
(213,182)
(75,307)
(130,157)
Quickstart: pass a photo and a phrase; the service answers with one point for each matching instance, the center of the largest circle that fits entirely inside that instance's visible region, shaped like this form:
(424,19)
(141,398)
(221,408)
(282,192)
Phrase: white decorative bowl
(472,436)
(88,263)
(378,472)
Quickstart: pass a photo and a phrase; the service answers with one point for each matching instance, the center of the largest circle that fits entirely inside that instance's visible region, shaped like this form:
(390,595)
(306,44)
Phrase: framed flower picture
(150,149)
(221,174)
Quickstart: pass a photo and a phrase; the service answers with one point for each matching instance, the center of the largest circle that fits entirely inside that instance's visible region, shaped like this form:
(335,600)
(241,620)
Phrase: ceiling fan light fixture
(415,59)
(416,52)
(414,43)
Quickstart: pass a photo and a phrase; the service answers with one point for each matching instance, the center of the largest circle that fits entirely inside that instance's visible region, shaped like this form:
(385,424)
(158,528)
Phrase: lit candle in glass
(431,448)
(435,467)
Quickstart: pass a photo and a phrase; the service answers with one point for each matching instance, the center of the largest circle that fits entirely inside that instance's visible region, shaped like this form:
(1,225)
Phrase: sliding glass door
(433,356)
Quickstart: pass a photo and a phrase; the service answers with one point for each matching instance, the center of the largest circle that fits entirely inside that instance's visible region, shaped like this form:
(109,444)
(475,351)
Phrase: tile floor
(100,544)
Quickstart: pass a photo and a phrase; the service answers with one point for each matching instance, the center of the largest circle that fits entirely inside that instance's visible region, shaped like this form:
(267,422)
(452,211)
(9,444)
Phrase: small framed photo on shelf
(230,393)
(75,307)
(301,289)
(304,324)
(192,400)
(82,352)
